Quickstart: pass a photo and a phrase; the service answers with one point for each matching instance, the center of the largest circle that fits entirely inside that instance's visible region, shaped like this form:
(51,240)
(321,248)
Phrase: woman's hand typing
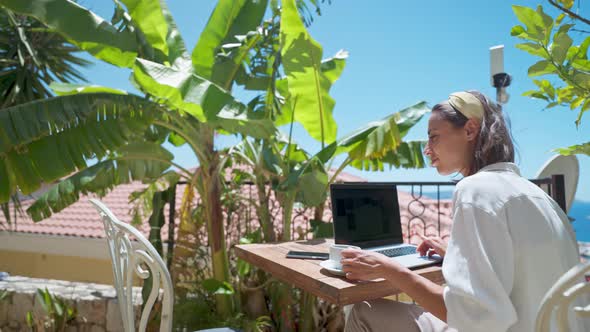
(369,265)
(431,245)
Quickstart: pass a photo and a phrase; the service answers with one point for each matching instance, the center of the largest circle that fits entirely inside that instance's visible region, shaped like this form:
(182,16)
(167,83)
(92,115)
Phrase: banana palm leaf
(230,18)
(82,27)
(177,54)
(139,161)
(575,149)
(148,16)
(11,219)
(270,157)
(44,140)
(380,137)
(309,182)
(232,59)
(247,152)
(143,199)
(65,89)
(302,59)
(261,67)
(200,98)
(406,155)
(369,148)
(330,68)
(377,139)
(294,153)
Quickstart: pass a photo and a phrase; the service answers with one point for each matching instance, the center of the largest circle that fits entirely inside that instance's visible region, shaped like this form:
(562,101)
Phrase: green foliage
(58,314)
(187,100)
(229,20)
(71,138)
(45,140)
(82,28)
(133,162)
(193,313)
(566,3)
(576,149)
(217,287)
(143,204)
(308,182)
(196,313)
(380,137)
(321,229)
(252,237)
(379,141)
(243,267)
(308,86)
(207,102)
(149,19)
(406,155)
(65,89)
(32,57)
(550,40)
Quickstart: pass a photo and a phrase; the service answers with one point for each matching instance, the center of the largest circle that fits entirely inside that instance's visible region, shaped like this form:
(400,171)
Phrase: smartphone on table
(308,255)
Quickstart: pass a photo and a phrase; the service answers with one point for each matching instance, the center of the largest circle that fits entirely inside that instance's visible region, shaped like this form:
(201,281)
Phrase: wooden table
(309,276)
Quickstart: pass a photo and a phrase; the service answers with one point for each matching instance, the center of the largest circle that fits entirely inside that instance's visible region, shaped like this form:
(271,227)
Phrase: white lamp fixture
(498,78)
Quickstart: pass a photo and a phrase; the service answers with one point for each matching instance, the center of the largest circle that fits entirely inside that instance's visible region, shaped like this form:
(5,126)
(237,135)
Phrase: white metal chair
(126,258)
(570,287)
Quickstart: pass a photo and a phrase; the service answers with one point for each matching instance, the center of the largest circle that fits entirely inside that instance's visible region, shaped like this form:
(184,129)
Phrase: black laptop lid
(366,214)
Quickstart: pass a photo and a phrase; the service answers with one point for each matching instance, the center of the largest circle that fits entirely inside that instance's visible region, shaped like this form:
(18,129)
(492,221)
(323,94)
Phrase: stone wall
(97,306)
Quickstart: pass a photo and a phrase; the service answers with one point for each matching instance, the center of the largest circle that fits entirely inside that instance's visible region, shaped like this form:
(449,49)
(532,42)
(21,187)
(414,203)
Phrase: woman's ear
(471,129)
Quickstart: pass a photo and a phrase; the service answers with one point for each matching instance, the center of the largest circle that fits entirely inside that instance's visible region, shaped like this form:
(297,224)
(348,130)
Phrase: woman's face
(449,148)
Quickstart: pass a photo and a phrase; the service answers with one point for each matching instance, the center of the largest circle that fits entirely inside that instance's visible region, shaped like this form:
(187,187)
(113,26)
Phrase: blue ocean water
(580,211)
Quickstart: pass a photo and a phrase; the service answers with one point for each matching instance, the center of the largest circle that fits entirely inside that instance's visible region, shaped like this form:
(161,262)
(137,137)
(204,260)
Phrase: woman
(509,242)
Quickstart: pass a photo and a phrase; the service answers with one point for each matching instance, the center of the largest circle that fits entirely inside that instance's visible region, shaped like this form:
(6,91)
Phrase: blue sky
(402,52)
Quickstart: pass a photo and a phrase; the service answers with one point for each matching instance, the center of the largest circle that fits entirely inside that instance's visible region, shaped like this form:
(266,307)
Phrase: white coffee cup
(336,253)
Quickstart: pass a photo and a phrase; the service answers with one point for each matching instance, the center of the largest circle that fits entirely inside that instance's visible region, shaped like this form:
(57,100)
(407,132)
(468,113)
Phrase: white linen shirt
(509,244)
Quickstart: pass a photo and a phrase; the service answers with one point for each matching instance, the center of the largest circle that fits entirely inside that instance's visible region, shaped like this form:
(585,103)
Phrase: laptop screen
(366,214)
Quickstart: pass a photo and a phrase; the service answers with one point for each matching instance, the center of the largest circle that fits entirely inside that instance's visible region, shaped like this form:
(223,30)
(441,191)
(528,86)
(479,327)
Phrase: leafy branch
(548,39)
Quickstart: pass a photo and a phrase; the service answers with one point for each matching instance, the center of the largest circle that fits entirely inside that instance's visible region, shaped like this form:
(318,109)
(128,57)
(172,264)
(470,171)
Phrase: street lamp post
(499,79)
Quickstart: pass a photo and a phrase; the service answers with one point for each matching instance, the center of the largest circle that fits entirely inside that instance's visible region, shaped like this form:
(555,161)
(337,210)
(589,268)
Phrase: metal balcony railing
(426,196)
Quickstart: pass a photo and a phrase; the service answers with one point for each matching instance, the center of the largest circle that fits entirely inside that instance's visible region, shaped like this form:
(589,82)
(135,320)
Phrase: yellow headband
(467,104)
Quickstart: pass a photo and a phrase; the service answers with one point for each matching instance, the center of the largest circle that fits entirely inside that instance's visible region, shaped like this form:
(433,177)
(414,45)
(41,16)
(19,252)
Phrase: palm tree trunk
(184,248)
(219,259)
(263,211)
(211,199)
(318,213)
(284,298)
(288,200)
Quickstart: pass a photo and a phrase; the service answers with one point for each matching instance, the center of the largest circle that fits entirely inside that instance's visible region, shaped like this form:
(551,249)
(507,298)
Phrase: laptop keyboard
(401,251)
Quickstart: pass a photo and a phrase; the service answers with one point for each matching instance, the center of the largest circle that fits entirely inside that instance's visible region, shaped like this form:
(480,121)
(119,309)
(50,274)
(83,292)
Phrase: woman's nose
(427,150)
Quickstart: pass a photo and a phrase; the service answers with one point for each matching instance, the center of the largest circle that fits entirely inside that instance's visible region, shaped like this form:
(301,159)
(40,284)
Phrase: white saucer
(330,266)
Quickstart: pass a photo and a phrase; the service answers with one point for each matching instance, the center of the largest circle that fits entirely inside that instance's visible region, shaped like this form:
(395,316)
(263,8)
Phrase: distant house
(70,245)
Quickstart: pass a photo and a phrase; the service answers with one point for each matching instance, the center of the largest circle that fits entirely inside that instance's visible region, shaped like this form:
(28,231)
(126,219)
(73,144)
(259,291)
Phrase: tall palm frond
(31,57)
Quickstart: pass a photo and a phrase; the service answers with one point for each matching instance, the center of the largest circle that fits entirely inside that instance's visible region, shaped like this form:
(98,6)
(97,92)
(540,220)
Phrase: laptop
(366,214)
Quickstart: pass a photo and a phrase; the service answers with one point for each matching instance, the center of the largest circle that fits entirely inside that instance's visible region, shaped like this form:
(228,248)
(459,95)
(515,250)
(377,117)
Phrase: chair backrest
(569,287)
(569,167)
(128,257)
